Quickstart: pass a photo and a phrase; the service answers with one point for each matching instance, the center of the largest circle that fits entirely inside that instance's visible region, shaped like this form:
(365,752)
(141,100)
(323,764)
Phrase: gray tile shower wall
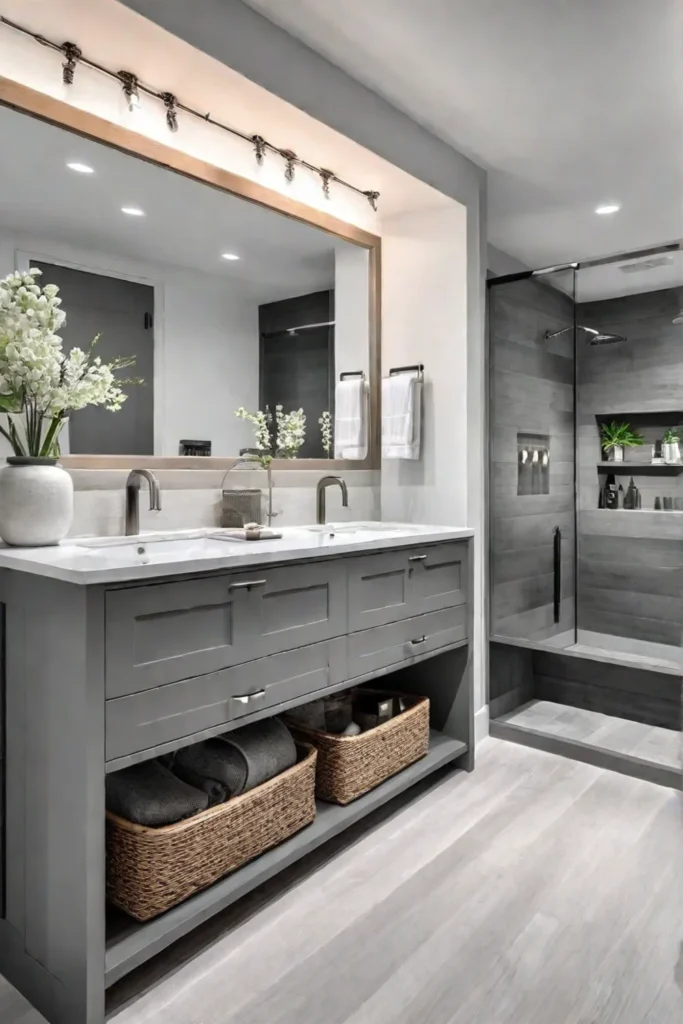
(630,580)
(532,392)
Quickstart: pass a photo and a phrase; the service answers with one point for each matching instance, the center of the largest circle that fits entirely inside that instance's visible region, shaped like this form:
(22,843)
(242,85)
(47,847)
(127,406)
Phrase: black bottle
(611,499)
(632,499)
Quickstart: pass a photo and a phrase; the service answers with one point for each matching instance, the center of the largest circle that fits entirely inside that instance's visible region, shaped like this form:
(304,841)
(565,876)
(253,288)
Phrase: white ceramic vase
(36,502)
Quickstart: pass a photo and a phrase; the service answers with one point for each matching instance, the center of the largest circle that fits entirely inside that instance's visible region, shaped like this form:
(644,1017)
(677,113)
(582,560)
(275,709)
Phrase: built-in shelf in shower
(636,468)
(637,511)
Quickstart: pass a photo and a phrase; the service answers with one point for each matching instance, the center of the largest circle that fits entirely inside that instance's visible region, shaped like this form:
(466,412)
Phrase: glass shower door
(532,460)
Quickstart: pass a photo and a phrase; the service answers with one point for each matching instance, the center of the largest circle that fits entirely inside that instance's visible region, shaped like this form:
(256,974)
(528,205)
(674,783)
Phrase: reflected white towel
(351,419)
(401,416)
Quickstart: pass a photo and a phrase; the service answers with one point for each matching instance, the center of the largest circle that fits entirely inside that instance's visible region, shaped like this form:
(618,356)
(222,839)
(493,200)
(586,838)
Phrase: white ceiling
(628,277)
(186,224)
(567,103)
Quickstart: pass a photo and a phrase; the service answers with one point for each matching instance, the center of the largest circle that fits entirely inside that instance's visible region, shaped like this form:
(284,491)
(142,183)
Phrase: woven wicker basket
(349,766)
(150,870)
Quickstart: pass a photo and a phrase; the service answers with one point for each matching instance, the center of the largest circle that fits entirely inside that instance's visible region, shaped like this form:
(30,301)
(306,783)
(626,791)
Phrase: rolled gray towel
(216,791)
(242,759)
(149,794)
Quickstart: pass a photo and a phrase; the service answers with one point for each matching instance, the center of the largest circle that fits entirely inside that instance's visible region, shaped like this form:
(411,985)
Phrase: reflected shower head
(678,319)
(594,337)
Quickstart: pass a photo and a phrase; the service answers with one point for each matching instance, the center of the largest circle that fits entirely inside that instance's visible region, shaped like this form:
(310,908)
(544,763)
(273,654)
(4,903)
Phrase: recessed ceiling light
(133,211)
(230,256)
(608,208)
(81,168)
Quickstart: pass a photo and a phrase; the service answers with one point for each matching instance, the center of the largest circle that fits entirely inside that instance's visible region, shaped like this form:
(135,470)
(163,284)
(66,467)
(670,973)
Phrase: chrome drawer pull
(420,640)
(250,696)
(247,585)
(417,558)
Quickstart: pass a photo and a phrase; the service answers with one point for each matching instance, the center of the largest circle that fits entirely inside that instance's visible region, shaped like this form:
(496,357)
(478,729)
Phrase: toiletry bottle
(631,499)
(621,497)
(611,493)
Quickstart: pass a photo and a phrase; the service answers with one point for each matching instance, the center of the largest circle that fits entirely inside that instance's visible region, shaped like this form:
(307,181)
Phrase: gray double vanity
(119,650)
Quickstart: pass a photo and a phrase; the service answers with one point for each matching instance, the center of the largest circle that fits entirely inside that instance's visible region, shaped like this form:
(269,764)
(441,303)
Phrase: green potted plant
(616,437)
(671,445)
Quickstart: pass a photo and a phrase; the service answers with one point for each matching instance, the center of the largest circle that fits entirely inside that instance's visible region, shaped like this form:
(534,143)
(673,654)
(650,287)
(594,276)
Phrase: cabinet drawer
(166,632)
(399,642)
(292,606)
(180,710)
(396,585)
(438,577)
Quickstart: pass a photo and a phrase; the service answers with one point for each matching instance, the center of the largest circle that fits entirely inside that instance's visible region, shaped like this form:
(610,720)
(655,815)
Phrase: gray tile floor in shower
(649,742)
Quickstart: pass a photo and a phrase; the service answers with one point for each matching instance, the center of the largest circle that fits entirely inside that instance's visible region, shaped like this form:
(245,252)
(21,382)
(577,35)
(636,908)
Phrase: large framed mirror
(230,296)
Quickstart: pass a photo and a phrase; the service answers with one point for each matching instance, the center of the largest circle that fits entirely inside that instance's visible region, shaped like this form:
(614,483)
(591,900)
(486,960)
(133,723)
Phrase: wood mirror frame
(36,104)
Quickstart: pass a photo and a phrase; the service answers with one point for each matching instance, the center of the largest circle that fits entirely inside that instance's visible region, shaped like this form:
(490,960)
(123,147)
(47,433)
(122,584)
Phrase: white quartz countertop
(155,555)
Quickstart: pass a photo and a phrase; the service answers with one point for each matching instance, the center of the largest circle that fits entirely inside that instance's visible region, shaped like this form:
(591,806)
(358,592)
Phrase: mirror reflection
(241,320)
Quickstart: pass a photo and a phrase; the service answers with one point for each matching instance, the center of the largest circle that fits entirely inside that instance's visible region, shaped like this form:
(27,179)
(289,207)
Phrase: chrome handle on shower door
(557,572)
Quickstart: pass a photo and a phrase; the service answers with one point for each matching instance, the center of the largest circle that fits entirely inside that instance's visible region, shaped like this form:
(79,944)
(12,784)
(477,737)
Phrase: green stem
(50,437)
(16,448)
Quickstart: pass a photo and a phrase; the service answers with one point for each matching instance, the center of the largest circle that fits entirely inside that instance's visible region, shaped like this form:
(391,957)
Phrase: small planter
(36,502)
(615,453)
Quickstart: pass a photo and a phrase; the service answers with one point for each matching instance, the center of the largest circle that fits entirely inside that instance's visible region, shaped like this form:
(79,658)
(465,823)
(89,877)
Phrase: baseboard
(481,724)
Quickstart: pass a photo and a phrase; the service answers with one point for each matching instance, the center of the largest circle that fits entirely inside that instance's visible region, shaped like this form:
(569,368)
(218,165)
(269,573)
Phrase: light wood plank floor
(537,891)
(650,742)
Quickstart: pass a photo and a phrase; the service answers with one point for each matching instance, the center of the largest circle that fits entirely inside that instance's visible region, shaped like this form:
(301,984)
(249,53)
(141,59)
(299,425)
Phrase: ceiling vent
(642,265)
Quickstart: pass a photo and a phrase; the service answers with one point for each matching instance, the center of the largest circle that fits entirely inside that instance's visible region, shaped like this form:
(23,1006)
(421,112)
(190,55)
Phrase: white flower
(325,423)
(291,432)
(35,375)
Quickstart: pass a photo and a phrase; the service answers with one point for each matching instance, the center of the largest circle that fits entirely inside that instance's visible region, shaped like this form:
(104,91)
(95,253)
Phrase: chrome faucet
(324,482)
(133,498)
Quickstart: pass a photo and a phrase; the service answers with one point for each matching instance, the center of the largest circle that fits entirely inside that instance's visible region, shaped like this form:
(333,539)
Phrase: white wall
(211,364)
(351,309)
(425,320)
(206,343)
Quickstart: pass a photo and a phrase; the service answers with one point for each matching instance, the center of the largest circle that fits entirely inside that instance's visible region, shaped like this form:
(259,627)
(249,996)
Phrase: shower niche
(572,350)
(533,464)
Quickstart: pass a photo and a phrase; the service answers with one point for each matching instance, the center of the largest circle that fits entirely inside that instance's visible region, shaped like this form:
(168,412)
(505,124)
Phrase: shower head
(594,337)
(598,338)
(678,319)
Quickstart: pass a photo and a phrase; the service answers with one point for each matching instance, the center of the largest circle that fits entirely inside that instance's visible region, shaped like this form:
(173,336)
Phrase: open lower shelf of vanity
(130,943)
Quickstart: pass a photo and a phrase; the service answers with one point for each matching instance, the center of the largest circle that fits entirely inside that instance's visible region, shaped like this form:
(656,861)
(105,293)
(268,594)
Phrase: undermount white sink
(368,527)
(146,548)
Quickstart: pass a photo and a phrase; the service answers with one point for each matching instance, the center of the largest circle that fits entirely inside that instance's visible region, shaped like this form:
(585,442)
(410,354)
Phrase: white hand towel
(401,416)
(351,419)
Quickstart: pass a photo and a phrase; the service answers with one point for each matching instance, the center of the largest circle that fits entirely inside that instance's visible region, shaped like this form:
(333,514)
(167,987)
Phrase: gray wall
(631,563)
(531,391)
